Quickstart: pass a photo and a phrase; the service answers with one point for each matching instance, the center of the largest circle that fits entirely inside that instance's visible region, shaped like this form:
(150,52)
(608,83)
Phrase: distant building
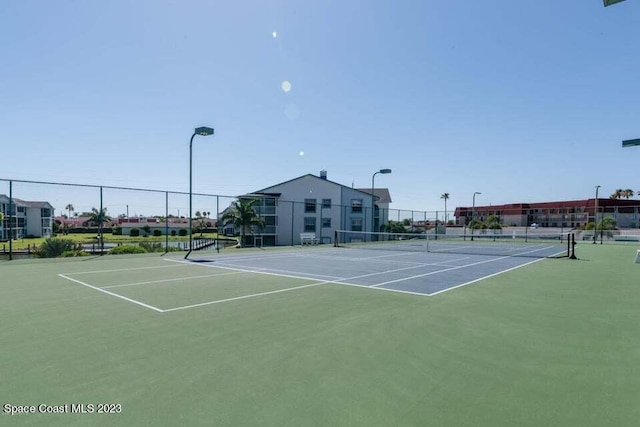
(30,219)
(313,204)
(567,214)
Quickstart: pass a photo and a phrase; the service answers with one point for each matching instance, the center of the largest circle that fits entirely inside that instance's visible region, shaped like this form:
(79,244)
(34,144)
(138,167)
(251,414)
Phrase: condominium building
(568,214)
(24,218)
(313,204)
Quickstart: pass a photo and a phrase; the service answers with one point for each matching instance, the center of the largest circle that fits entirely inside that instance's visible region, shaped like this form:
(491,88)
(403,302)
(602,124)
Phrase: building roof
(264,191)
(382,194)
(27,203)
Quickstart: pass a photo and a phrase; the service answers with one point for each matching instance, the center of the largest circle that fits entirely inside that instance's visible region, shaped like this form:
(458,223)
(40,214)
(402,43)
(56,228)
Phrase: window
(309,205)
(309,224)
(356,224)
(356,205)
(326,222)
(326,203)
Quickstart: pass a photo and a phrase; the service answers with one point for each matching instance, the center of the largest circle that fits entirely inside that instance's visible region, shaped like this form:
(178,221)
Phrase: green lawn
(556,343)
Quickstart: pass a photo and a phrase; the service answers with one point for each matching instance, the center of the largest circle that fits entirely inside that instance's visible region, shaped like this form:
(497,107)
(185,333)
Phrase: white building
(30,219)
(313,204)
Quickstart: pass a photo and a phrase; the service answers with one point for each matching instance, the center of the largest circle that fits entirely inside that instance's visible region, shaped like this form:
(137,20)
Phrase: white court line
(457,268)
(299,275)
(121,269)
(184,307)
(324,282)
(150,282)
(113,294)
(485,277)
(377,259)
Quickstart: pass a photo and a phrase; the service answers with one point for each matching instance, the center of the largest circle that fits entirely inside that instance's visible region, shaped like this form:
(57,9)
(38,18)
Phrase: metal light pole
(203,131)
(373,198)
(595,217)
(473,210)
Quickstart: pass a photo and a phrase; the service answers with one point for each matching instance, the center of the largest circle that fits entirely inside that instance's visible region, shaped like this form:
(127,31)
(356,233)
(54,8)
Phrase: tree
(607,223)
(2,224)
(241,214)
(147,230)
(476,224)
(493,222)
(445,196)
(394,227)
(627,193)
(99,217)
(618,194)
(69,208)
(201,224)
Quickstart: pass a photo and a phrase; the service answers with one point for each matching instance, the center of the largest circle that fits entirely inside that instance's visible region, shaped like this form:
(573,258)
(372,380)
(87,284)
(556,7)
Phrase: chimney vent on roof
(323,174)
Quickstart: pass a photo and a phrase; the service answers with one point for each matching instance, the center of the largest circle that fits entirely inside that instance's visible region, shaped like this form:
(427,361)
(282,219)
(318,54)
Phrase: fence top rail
(151,190)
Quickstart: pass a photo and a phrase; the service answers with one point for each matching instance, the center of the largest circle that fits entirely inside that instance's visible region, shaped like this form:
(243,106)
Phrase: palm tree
(241,214)
(99,218)
(2,223)
(627,193)
(445,196)
(618,194)
(493,222)
(69,208)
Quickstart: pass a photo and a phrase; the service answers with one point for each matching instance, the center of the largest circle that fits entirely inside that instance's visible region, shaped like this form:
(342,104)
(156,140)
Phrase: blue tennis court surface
(420,273)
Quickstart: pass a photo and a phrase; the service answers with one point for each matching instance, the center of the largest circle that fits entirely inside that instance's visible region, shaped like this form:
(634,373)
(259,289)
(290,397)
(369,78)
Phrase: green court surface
(554,343)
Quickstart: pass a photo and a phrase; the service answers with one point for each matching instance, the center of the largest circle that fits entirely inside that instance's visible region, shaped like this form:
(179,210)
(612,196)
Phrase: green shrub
(135,232)
(173,232)
(128,249)
(183,232)
(152,247)
(55,247)
(74,253)
(116,231)
(157,233)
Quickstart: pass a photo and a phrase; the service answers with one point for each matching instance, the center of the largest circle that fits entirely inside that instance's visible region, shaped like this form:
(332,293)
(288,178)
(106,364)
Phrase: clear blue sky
(524,101)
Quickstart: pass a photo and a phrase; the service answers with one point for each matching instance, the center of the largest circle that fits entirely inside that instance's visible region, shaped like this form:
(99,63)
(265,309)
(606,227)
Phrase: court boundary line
(339,281)
(457,268)
(119,269)
(113,294)
(486,277)
(175,279)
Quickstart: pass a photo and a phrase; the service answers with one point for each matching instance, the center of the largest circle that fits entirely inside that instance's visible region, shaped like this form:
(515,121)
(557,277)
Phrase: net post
(573,246)
(335,239)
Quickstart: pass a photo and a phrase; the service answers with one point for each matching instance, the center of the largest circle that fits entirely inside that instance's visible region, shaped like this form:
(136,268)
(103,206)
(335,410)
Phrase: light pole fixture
(473,210)
(202,131)
(610,2)
(595,217)
(373,198)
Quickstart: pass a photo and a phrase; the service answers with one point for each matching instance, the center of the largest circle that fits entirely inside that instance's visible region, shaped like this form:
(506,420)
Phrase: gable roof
(312,176)
(26,203)
(382,194)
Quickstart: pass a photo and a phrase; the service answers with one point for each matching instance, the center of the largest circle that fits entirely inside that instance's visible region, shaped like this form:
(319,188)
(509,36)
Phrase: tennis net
(538,245)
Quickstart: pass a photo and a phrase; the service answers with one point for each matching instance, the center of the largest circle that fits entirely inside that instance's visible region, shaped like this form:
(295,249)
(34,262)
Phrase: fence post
(101,217)
(10,220)
(166,222)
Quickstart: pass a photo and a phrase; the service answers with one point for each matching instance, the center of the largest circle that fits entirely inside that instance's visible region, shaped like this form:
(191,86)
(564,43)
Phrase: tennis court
(202,280)
(317,336)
